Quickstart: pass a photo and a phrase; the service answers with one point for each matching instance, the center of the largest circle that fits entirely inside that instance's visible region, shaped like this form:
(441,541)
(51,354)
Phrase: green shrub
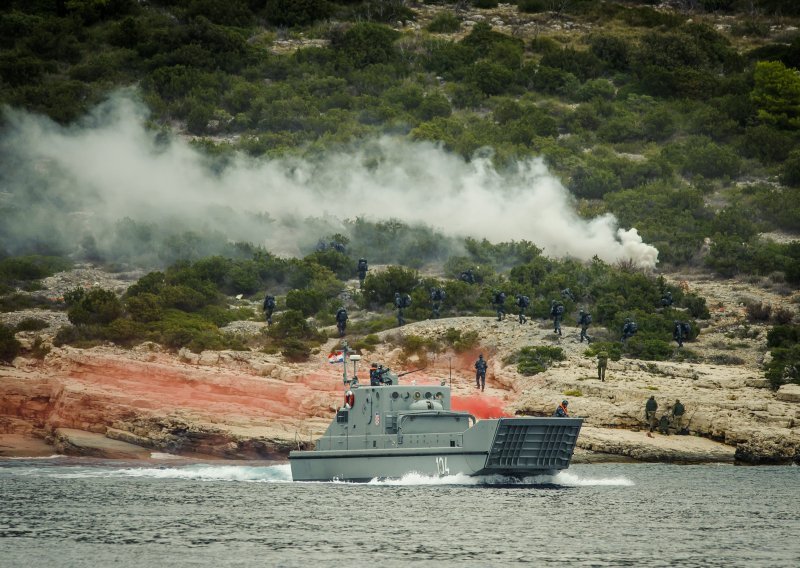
(292,325)
(460,341)
(308,301)
(144,307)
(96,307)
(9,346)
(696,306)
(613,348)
(534,360)
(366,43)
(295,350)
(31,324)
(295,12)
(533,6)
(641,347)
(435,104)
(380,287)
(444,23)
(32,267)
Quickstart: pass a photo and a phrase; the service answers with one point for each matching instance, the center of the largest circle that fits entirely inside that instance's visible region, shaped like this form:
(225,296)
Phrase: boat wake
(561,479)
(282,473)
(202,472)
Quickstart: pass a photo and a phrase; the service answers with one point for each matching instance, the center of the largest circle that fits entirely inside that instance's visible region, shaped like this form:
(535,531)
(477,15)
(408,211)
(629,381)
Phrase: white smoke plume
(110,166)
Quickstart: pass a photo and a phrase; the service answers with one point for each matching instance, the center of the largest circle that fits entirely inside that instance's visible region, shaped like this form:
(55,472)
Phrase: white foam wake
(564,479)
(53,457)
(204,472)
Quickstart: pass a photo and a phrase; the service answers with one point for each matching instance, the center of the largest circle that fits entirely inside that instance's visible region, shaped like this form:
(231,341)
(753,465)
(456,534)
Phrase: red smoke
(481,406)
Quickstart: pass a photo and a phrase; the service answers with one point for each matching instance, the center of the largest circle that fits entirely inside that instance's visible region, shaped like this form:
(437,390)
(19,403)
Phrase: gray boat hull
(514,447)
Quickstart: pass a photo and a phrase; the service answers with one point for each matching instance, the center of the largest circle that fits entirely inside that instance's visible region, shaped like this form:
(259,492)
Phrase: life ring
(349,399)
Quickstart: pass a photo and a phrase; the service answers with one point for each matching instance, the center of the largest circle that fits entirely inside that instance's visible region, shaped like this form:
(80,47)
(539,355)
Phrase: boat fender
(349,399)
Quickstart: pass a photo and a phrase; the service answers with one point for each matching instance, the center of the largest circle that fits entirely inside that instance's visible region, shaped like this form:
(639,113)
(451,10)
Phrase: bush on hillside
(9,346)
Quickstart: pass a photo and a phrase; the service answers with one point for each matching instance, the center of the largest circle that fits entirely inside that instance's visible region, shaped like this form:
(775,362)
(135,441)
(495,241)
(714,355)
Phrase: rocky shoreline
(110,402)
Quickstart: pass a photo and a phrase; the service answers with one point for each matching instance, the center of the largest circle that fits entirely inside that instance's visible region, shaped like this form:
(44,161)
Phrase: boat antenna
(450,365)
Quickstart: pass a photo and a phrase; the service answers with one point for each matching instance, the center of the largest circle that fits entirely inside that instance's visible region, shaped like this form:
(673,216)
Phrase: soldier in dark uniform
(566,293)
(561,410)
(678,411)
(341,320)
(401,302)
(584,319)
(557,313)
(499,302)
(480,372)
(337,246)
(628,329)
(663,424)
(523,302)
(374,377)
(269,307)
(467,276)
(650,408)
(362,271)
(437,297)
(680,332)
(666,299)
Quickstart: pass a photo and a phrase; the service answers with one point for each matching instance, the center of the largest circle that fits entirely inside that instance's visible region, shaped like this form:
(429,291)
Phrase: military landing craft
(388,431)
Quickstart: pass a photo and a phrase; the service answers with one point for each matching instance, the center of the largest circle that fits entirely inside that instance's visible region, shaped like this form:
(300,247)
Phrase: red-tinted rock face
(229,407)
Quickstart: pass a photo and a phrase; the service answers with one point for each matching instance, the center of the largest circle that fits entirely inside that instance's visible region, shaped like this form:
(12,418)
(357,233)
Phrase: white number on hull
(441,466)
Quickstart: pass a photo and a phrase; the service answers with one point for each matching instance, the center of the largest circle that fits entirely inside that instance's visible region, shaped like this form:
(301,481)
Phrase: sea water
(69,512)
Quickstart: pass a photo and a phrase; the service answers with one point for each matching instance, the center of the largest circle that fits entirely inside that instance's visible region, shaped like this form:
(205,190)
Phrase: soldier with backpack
(437,297)
(680,332)
(401,302)
(341,320)
(362,271)
(499,302)
(584,319)
(557,313)
(269,307)
(522,302)
(628,329)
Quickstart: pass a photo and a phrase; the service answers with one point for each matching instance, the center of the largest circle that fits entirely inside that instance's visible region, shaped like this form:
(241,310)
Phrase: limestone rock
(80,443)
(788,393)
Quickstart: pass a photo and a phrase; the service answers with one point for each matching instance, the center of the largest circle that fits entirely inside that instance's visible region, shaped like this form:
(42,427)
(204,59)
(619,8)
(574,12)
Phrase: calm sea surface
(67,512)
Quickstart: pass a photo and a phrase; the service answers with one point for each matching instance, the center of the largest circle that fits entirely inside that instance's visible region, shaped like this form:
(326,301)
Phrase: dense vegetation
(681,128)
(186,305)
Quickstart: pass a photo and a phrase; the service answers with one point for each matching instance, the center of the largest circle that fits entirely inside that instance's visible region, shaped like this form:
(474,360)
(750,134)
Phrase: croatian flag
(337,357)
